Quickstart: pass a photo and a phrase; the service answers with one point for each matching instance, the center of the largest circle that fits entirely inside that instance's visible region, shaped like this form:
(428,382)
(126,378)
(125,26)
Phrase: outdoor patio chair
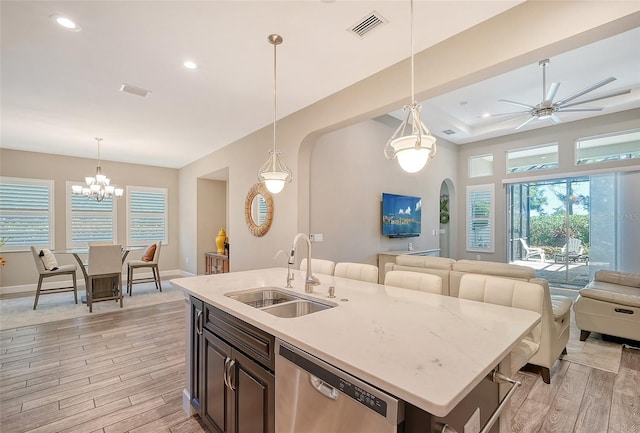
(573,250)
(532,251)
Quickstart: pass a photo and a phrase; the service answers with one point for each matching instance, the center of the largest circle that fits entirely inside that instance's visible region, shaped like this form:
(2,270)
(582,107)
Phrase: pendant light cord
(274,97)
(413,86)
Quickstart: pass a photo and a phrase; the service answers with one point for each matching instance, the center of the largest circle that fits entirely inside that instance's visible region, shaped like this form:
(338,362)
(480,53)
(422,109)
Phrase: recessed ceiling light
(485,115)
(190,65)
(66,23)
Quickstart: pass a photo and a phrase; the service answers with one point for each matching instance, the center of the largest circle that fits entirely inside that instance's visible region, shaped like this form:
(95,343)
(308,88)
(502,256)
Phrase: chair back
(573,246)
(524,244)
(357,271)
(414,281)
(38,260)
(319,266)
(156,254)
(504,291)
(104,259)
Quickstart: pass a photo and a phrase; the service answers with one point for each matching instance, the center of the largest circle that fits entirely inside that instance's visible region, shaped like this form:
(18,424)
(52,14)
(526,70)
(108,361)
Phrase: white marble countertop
(426,349)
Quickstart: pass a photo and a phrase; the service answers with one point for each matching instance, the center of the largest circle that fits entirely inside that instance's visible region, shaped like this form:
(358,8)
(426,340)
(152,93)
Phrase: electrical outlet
(316,237)
(473,424)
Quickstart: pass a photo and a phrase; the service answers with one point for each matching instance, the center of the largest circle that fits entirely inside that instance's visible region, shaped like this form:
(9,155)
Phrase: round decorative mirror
(258,210)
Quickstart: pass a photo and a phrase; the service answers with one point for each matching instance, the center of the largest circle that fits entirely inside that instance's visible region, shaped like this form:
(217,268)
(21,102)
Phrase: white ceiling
(60,89)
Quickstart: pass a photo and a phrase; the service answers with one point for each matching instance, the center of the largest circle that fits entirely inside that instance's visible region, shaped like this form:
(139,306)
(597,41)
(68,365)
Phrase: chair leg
(156,276)
(89,295)
(120,290)
(584,335)
(546,375)
(75,287)
(35,302)
(564,352)
(129,280)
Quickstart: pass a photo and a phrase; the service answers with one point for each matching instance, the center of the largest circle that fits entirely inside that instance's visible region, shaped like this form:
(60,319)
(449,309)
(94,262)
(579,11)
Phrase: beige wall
(349,173)
(563,134)
(20,269)
(495,46)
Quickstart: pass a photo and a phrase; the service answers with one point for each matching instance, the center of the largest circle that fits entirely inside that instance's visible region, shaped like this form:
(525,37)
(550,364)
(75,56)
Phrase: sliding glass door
(549,228)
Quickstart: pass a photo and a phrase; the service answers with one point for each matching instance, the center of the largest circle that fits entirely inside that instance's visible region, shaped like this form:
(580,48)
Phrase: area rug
(18,312)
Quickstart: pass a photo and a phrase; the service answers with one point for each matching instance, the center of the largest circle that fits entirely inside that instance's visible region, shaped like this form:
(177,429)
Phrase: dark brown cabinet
(235,372)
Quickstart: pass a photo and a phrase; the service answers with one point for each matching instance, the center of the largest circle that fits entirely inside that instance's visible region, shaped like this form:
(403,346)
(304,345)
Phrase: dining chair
(357,271)
(150,259)
(319,266)
(105,267)
(414,281)
(53,271)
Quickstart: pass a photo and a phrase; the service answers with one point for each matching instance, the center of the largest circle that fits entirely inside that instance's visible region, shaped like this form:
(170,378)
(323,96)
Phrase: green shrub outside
(548,231)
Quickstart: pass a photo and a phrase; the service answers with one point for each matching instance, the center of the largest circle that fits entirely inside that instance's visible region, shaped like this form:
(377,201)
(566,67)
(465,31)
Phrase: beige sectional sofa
(610,304)
(556,312)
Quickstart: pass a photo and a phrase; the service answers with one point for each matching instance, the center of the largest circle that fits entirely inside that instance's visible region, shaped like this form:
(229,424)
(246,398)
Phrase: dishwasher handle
(323,388)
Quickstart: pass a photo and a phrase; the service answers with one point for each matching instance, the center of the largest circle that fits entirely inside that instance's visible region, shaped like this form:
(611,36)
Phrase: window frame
(470,190)
(156,190)
(584,161)
(534,167)
(49,183)
(472,158)
(69,218)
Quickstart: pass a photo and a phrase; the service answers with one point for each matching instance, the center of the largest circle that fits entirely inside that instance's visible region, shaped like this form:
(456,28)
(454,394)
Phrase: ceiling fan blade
(568,110)
(609,95)
(519,104)
(588,89)
(526,122)
(555,119)
(514,113)
(551,93)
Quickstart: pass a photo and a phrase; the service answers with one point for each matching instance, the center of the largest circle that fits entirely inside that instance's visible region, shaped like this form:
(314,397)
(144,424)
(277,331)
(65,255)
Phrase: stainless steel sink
(279,302)
(262,297)
(300,307)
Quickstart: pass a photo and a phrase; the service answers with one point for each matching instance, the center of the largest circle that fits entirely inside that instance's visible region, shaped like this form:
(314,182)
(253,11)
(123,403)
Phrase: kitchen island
(428,350)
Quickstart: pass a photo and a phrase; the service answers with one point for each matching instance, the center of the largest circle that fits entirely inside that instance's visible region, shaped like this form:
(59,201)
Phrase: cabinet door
(216,398)
(196,352)
(254,408)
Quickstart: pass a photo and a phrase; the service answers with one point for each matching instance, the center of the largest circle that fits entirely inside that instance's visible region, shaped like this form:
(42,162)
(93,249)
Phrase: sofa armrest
(561,306)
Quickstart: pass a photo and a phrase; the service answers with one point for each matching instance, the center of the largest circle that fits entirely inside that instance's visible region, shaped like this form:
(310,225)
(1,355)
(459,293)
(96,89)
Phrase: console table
(385,257)
(215,263)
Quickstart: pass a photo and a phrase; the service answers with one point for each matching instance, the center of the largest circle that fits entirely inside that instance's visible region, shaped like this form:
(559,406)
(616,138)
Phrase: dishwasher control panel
(365,397)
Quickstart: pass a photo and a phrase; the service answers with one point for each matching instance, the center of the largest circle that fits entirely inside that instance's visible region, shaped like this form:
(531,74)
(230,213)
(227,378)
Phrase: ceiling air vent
(138,91)
(449,131)
(366,24)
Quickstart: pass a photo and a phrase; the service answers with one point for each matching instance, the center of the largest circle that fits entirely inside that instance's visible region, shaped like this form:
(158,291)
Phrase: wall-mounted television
(401,215)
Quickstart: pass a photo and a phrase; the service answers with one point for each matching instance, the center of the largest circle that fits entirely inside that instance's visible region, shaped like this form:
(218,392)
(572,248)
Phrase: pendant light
(274,173)
(412,144)
(99,187)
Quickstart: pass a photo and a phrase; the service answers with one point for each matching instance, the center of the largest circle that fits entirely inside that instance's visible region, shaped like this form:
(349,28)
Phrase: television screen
(401,215)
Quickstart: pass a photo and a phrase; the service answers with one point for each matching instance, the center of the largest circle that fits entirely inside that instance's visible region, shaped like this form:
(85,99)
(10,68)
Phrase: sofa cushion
(48,260)
(622,278)
(503,270)
(616,293)
(424,261)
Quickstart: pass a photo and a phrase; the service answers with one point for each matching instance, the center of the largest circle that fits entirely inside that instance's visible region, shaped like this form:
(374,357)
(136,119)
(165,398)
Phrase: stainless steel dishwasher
(315,397)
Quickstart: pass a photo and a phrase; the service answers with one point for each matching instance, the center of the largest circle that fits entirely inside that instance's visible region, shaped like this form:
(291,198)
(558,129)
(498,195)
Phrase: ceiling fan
(547,109)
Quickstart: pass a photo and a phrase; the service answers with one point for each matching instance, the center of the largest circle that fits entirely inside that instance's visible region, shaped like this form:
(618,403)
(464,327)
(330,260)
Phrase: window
(146,215)
(26,213)
(481,165)
(89,220)
(533,158)
(480,219)
(611,147)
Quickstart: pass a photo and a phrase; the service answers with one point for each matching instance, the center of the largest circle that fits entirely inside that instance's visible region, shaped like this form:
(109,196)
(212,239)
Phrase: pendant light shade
(274,173)
(412,144)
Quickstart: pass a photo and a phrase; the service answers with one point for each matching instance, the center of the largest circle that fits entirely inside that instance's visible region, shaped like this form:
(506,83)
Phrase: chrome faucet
(309,280)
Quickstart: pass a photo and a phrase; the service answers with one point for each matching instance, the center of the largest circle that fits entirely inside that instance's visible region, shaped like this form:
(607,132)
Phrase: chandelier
(97,188)
(274,173)
(412,143)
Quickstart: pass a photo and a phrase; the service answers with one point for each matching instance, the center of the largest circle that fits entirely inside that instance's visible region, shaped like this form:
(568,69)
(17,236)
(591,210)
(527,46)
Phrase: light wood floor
(125,372)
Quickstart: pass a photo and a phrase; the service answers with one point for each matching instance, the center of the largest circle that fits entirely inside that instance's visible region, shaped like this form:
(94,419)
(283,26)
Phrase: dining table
(101,289)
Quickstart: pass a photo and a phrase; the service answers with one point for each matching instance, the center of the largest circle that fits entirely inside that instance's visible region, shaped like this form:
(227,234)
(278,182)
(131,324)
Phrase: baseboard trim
(30,289)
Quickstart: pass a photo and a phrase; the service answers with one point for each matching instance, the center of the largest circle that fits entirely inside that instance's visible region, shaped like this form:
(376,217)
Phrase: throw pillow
(148,254)
(48,260)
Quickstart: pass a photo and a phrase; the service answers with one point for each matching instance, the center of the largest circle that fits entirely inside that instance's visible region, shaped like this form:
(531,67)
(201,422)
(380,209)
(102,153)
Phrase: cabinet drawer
(255,343)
